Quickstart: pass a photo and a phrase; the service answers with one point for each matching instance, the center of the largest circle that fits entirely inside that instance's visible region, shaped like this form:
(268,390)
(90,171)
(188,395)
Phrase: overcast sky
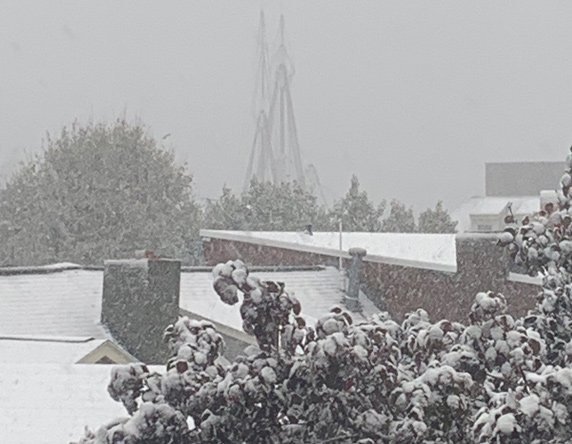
(412,96)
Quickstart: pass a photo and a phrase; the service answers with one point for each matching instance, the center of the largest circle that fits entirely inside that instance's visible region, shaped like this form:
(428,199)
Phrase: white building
(487,214)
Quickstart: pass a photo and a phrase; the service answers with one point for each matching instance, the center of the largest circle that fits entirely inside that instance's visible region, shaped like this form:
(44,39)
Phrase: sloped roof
(421,250)
(317,291)
(58,350)
(46,350)
(63,303)
(47,404)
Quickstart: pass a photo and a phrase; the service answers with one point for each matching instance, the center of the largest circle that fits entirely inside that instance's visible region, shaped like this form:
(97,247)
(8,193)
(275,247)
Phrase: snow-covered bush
(494,378)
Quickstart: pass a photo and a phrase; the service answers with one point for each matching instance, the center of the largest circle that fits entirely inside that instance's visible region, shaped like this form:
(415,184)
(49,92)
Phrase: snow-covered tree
(542,244)
(356,211)
(492,379)
(400,219)
(228,212)
(418,381)
(436,221)
(265,207)
(97,192)
(285,207)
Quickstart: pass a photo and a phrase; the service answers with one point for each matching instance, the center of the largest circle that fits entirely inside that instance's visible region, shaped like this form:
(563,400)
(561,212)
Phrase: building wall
(481,266)
(487,223)
(521,178)
(219,250)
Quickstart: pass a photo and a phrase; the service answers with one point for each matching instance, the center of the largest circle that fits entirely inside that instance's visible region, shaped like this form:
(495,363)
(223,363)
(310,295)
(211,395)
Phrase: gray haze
(413,97)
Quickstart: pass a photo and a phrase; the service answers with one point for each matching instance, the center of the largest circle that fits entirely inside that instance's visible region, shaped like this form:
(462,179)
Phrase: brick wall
(219,250)
(481,266)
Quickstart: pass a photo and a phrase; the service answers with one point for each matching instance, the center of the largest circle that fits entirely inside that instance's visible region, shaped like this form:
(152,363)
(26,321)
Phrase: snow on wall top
(50,268)
(420,250)
(47,404)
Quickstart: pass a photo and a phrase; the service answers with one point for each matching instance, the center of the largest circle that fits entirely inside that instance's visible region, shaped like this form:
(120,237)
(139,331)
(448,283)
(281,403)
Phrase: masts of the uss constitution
(275,153)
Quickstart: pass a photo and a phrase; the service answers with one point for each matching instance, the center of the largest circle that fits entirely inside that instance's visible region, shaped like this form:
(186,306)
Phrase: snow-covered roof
(317,291)
(46,350)
(63,303)
(489,205)
(47,404)
(420,250)
(45,321)
(525,279)
(493,205)
(67,303)
(496,205)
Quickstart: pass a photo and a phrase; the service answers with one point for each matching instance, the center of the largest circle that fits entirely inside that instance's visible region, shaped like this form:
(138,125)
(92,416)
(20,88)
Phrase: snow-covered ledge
(525,279)
(441,246)
(39,269)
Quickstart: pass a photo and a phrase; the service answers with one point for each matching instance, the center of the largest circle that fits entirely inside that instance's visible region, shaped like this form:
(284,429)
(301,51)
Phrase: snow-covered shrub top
(265,308)
(495,378)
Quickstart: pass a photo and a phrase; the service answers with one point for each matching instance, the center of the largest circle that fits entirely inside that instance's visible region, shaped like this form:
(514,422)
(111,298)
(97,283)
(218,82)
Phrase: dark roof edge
(39,338)
(40,269)
(261,268)
(47,269)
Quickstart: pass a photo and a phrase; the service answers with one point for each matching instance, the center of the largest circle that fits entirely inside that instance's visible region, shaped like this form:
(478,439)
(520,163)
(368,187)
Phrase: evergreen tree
(98,192)
(284,207)
(226,213)
(265,207)
(400,219)
(436,221)
(356,211)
